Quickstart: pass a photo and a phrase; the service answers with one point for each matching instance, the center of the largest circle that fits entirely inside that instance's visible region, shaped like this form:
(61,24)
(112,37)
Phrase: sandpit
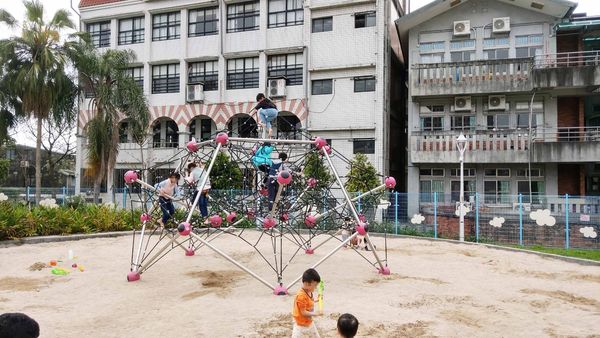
(436,289)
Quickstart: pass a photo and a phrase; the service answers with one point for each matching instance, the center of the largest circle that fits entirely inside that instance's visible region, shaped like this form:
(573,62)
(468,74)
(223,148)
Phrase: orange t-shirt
(302,301)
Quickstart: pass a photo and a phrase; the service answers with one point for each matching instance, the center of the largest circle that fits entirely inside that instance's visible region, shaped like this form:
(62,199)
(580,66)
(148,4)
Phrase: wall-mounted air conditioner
(501,25)
(195,93)
(462,103)
(276,87)
(497,102)
(462,28)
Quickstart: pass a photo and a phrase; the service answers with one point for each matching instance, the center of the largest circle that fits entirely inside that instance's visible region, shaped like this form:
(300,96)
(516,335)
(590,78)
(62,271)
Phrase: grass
(578,253)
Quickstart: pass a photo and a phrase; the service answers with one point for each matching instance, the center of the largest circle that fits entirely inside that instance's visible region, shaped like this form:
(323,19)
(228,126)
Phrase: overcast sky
(15,7)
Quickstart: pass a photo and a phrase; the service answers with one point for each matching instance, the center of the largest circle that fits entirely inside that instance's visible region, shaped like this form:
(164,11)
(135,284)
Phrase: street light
(461,143)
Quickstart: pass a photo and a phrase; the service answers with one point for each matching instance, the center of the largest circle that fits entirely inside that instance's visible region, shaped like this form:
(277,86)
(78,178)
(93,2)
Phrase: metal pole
(567,221)
(529,146)
(477,217)
(203,183)
(435,234)
(272,141)
(521,219)
(342,205)
(396,212)
(233,261)
(151,260)
(139,251)
(461,231)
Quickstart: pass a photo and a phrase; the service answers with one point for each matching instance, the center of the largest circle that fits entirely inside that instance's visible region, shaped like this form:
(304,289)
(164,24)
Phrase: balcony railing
(480,140)
(566,134)
(568,59)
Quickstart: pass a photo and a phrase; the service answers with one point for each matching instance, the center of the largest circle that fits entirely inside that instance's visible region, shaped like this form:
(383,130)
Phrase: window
(435,172)
(467,172)
(288,66)
(523,121)
(362,20)
(428,187)
(131,31)
(205,129)
(137,74)
(165,79)
(243,16)
(124,132)
(432,123)
(537,117)
(496,191)
(498,121)
(462,56)
(462,44)
(534,173)
(169,129)
(285,13)
(496,172)
(203,21)
(495,42)
(429,47)
(242,73)
(11,154)
(537,189)
(364,146)
(205,72)
(364,84)
(99,33)
(431,109)
(527,52)
(466,122)
(468,186)
(432,58)
(322,87)
(166,26)
(527,40)
(322,24)
(496,54)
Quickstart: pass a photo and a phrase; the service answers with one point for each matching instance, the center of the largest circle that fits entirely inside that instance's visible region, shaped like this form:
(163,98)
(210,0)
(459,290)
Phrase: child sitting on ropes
(262,160)
(196,172)
(267,112)
(166,190)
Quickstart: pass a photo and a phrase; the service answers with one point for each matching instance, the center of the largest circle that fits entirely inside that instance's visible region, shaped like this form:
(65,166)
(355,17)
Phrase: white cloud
(3,197)
(417,219)
(497,222)
(383,204)
(588,232)
(465,209)
(543,217)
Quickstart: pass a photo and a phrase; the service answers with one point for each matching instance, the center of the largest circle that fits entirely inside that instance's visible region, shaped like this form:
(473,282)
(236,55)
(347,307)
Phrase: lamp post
(461,143)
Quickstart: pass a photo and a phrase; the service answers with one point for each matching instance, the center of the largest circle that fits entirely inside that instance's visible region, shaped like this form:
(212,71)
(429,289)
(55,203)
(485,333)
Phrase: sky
(15,7)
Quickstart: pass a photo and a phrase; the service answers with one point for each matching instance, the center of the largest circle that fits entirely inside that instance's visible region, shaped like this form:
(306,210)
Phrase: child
(167,189)
(304,306)
(262,159)
(195,176)
(348,223)
(267,112)
(347,326)
(18,325)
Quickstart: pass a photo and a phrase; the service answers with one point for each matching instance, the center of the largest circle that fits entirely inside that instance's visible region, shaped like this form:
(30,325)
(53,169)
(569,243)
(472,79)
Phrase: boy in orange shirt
(304,306)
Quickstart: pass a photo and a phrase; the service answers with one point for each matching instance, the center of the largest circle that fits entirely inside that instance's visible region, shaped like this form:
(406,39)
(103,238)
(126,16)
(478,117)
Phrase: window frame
(102,35)
(365,80)
(286,13)
(134,38)
(255,15)
(167,25)
(250,78)
(368,145)
(139,79)
(210,80)
(372,15)
(204,22)
(293,74)
(322,85)
(322,21)
(170,80)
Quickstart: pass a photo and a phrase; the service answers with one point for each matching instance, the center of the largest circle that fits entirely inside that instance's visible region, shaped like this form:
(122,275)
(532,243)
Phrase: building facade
(498,72)
(325,63)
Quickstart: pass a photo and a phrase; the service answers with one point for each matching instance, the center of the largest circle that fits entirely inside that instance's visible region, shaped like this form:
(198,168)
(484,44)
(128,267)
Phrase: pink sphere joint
(184,229)
(144,218)
(284,217)
(385,271)
(269,222)
(312,182)
(190,252)
(362,218)
(361,228)
(320,143)
(133,276)
(309,251)
(192,146)
(310,221)
(390,182)
(280,291)
(130,177)
(215,221)
(222,139)
(264,191)
(284,177)
(327,149)
(231,217)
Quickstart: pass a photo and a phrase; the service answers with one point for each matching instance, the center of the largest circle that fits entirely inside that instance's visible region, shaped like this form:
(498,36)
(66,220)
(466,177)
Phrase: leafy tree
(33,73)
(362,176)
(115,96)
(225,173)
(4,167)
(317,169)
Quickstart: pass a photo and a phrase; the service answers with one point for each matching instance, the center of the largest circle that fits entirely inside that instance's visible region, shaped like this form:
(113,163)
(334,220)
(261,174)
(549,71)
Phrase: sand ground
(436,289)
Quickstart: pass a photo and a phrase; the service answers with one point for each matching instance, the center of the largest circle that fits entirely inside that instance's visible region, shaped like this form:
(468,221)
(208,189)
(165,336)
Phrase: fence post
(477,217)
(125,197)
(359,204)
(435,215)
(396,211)
(566,221)
(521,219)
(64,193)
(27,194)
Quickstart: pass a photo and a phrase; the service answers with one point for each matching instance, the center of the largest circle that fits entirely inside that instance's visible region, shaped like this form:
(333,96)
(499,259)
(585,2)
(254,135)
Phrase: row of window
(493,122)
(204,21)
(495,191)
(471,172)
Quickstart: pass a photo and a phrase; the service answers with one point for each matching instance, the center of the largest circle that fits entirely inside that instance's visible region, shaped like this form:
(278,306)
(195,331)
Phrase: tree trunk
(38,162)
(99,178)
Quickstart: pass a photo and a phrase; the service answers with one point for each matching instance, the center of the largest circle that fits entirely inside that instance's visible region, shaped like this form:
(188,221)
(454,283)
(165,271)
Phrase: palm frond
(7,18)
(62,19)
(34,11)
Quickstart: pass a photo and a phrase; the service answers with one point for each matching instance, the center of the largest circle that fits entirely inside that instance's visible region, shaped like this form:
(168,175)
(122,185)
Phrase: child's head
(174,177)
(347,325)
(259,97)
(18,325)
(283,156)
(191,166)
(310,279)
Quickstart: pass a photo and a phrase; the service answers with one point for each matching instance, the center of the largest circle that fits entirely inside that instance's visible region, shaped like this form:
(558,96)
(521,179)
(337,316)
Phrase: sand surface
(436,289)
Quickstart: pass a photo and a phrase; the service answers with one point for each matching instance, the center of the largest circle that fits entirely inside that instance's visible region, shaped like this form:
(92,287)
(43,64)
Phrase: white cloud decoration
(465,209)
(542,217)
(3,197)
(588,232)
(49,203)
(383,204)
(417,219)
(497,222)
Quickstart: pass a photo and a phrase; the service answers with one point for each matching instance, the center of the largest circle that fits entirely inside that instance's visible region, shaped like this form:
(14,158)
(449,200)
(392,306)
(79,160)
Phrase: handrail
(567,59)
(471,63)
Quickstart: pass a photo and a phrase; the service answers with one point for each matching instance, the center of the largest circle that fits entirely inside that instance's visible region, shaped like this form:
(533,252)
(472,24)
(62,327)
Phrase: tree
(362,176)
(33,71)
(115,96)
(315,168)
(225,174)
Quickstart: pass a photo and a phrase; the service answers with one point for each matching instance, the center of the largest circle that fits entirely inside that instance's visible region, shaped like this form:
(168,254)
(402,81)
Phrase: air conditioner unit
(195,93)
(276,87)
(497,102)
(462,103)
(462,28)
(501,25)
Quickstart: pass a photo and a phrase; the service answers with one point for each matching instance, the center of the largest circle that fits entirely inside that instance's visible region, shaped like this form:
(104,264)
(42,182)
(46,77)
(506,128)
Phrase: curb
(66,238)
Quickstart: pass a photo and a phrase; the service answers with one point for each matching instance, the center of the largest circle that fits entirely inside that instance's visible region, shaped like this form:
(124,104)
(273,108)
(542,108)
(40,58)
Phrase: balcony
(549,145)
(471,77)
(567,70)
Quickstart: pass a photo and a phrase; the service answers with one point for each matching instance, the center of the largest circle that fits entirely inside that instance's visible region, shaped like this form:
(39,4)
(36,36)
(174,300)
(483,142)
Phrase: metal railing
(481,140)
(567,59)
(566,134)
(168,143)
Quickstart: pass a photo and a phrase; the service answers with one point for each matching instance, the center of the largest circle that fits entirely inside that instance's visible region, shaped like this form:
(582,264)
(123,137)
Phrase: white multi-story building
(334,55)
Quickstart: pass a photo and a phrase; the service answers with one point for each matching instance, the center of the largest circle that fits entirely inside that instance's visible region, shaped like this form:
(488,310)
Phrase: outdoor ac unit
(501,25)
(462,103)
(195,93)
(276,87)
(462,28)
(497,102)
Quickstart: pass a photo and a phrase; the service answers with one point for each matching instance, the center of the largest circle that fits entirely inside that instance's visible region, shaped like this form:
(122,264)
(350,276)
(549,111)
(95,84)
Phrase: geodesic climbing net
(304,212)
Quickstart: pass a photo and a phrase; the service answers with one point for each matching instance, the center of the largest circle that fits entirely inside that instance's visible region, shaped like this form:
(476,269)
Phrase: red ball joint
(312,182)
(269,222)
(231,217)
(310,221)
(192,146)
(222,139)
(390,182)
(184,229)
(130,177)
(320,143)
(215,221)
(362,228)
(284,177)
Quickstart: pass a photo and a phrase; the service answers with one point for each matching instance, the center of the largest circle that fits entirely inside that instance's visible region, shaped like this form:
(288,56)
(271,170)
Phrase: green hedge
(17,220)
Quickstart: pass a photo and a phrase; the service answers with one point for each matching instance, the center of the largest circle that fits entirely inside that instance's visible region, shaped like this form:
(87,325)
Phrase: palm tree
(33,72)
(114,96)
